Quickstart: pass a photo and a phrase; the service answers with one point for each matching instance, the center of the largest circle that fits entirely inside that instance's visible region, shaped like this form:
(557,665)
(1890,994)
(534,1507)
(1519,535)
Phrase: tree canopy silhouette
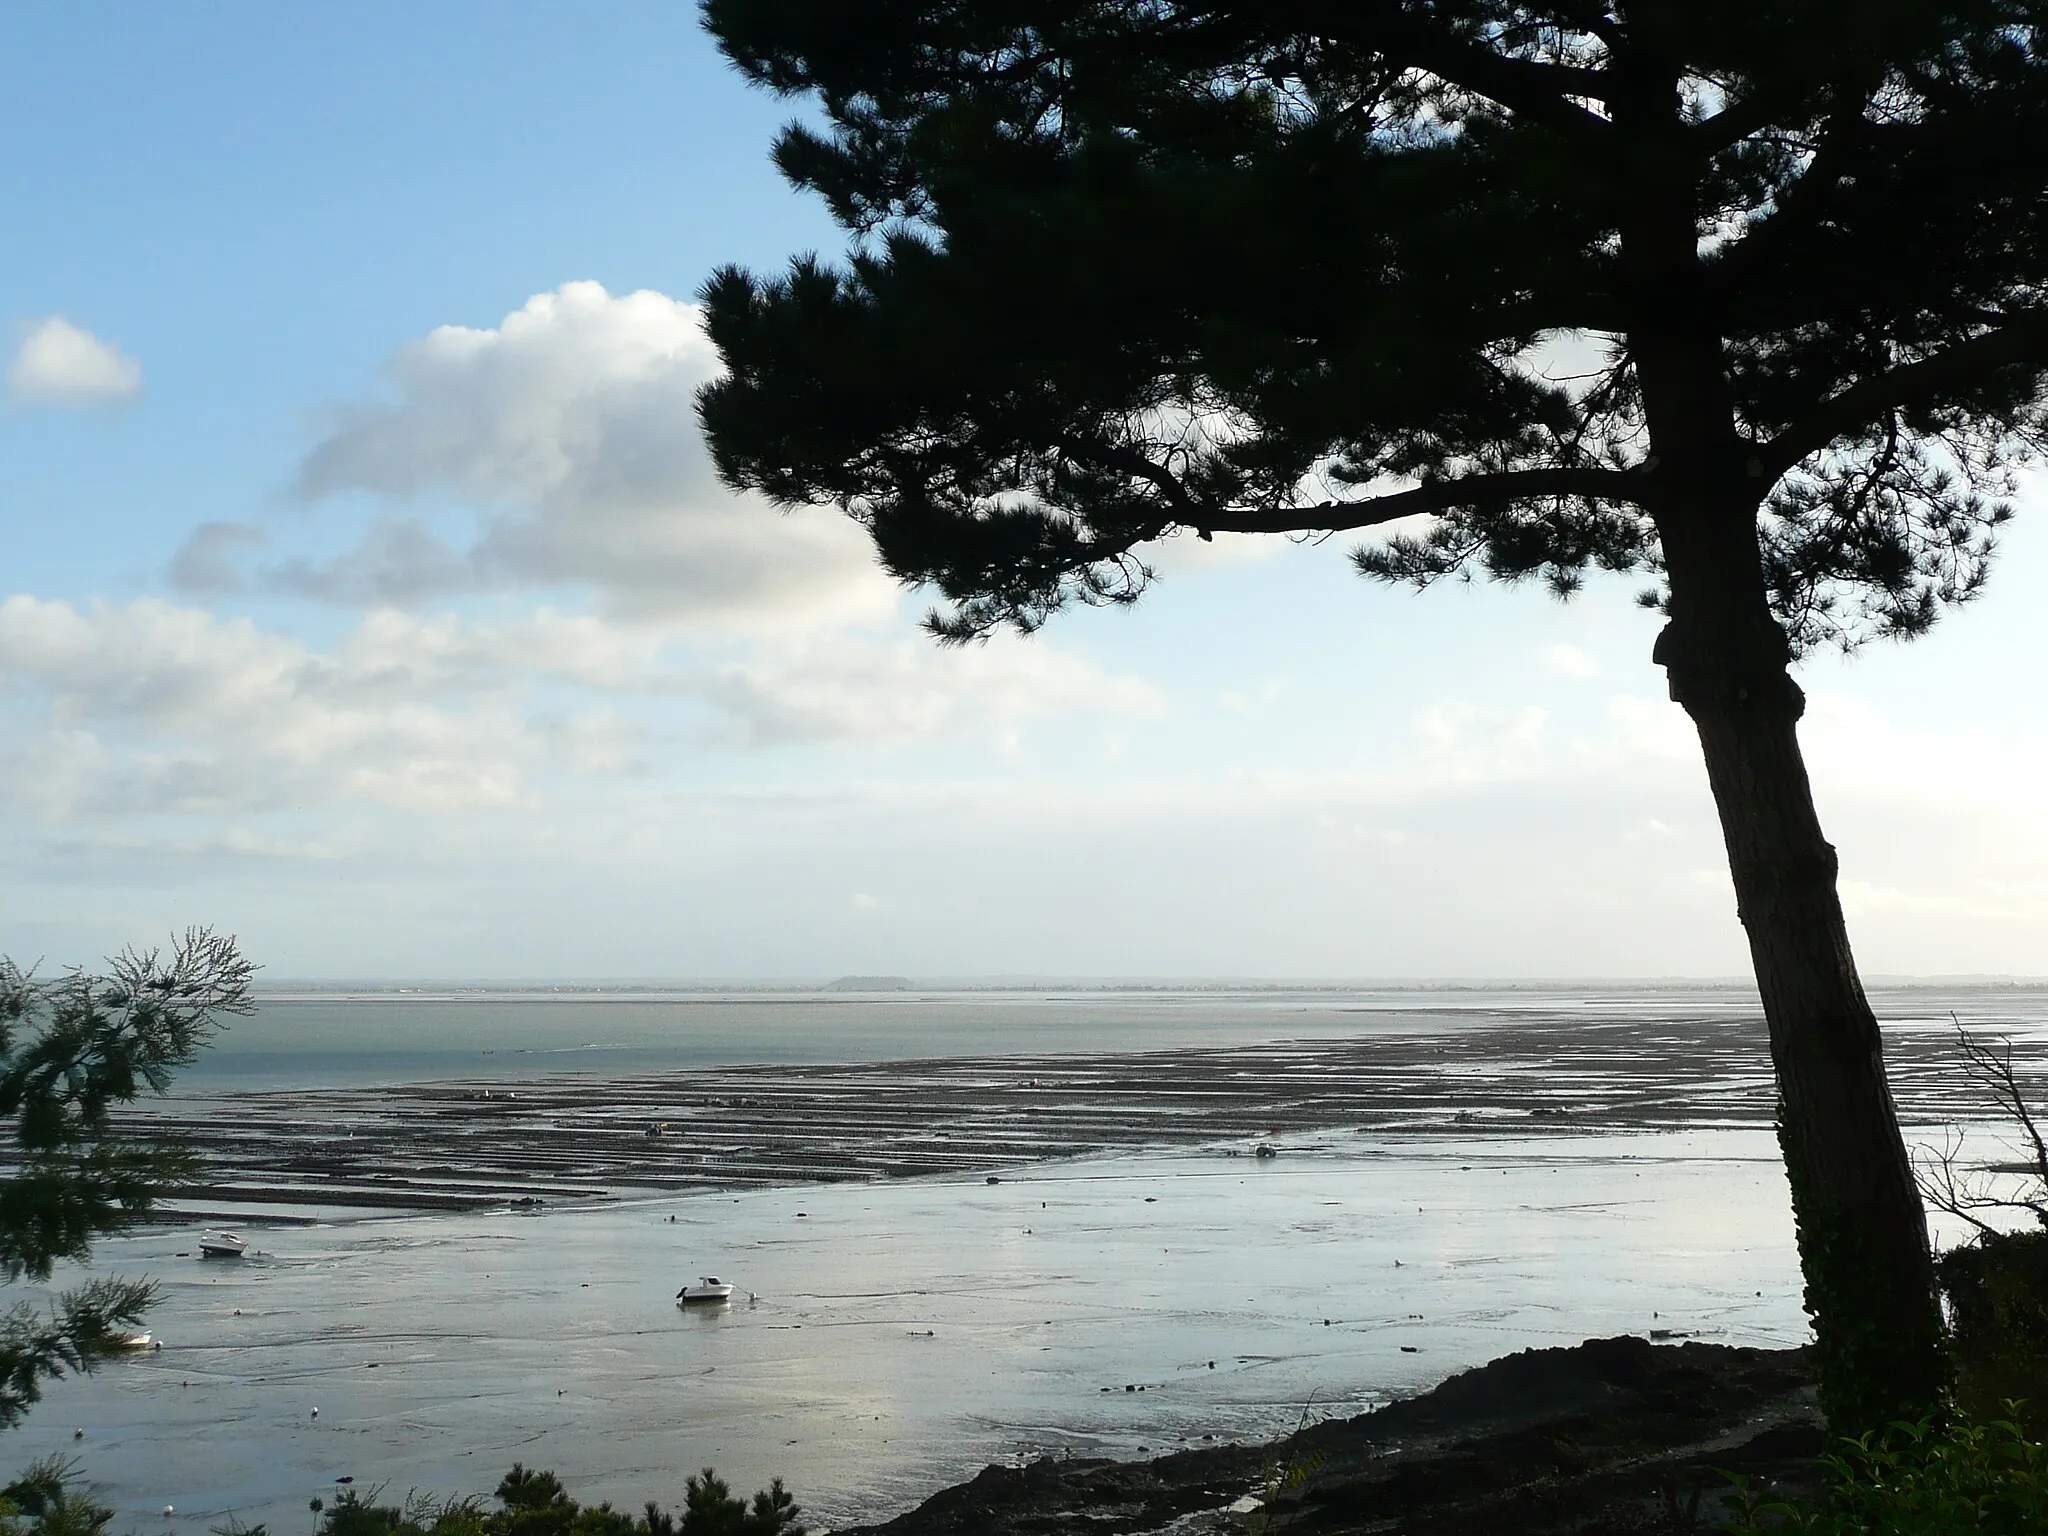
(1129,270)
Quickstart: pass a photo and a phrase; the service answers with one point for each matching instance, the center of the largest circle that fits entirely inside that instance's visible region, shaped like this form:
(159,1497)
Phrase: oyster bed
(468,1145)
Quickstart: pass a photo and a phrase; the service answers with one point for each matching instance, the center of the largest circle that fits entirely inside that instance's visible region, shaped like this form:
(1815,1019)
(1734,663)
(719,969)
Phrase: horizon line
(885,982)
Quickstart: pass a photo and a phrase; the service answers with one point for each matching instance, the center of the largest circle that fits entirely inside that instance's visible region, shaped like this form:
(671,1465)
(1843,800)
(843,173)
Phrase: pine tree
(1125,270)
(72,1049)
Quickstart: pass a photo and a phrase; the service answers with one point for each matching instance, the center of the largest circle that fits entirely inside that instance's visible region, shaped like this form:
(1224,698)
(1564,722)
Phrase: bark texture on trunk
(1862,1230)
(1861,1226)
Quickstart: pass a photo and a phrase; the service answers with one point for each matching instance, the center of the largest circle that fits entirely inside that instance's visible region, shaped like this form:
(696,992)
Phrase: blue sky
(367,594)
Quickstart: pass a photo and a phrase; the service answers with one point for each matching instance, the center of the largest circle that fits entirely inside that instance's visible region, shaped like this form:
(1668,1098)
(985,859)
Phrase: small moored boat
(707,1288)
(222,1245)
(135,1341)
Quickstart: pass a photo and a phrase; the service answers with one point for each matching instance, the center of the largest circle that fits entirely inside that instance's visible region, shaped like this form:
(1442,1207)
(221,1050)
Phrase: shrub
(1919,1481)
(43,1501)
(534,1503)
(1997,1289)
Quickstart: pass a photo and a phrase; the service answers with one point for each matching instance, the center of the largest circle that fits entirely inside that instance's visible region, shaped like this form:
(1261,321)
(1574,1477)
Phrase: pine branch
(86,1326)
(2021,340)
(71,1051)
(1539,92)
(1484,491)
(1488,491)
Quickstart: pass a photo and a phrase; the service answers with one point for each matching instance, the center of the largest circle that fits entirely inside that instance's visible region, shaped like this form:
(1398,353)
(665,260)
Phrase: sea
(890,1337)
(353,1036)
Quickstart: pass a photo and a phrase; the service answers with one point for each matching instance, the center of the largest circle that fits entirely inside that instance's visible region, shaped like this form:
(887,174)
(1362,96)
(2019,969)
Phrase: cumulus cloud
(59,363)
(569,432)
(567,438)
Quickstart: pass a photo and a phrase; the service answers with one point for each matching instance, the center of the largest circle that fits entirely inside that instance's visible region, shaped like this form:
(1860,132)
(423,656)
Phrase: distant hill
(868,984)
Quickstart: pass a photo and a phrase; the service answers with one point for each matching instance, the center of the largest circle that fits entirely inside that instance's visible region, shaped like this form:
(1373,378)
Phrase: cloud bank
(152,708)
(155,709)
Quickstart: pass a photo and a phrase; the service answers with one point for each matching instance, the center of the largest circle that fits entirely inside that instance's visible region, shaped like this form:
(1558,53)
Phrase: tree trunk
(1862,1230)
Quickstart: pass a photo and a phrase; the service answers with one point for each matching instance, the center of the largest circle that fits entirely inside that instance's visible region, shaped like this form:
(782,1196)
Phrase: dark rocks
(1615,1435)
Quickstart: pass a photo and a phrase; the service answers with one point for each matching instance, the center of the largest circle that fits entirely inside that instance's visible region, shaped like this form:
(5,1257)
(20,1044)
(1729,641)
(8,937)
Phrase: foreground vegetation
(1919,1481)
(73,1049)
(44,1502)
(1986,1468)
(536,1504)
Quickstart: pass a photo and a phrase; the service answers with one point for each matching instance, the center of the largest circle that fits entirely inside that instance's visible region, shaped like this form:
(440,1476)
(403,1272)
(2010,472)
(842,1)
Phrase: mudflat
(474,1145)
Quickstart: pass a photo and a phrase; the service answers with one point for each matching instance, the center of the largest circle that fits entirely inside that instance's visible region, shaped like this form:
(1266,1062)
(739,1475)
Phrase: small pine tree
(73,1049)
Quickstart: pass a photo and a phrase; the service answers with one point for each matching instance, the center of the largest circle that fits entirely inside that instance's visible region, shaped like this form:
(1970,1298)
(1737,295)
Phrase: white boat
(707,1288)
(222,1245)
(136,1341)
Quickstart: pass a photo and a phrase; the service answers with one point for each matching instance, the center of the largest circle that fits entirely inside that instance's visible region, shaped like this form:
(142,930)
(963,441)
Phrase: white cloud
(570,432)
(154,708)
(59,363)
(1462,744)
(1570,661)
(1184,553)
(1851,744)
(1646,736)
(817,689)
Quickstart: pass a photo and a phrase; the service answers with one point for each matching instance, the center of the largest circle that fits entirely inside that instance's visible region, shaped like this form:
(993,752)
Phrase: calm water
(340,1038)
(905,1333)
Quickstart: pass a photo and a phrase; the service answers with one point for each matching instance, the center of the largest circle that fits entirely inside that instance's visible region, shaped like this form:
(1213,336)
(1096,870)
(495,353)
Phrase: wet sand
(904,1333)
(473,1145)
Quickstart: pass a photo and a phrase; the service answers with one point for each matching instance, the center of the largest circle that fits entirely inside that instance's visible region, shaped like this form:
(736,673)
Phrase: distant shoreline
(897,987)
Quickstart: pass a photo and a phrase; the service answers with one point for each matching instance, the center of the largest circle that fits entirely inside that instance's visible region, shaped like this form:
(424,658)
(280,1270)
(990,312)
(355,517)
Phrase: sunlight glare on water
(905,1334)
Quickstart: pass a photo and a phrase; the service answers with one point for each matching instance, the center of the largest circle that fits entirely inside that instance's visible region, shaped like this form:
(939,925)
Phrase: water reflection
(904,1334)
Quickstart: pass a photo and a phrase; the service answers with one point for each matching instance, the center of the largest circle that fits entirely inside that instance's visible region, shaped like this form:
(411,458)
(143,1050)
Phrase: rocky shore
(1613,1436)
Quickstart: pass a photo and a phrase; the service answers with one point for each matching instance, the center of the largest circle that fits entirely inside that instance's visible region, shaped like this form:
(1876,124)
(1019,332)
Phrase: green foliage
(44,1501)
(534,1503)
(84,1326)
(72,1049)
(1996,1285)
(1997,1289)
(1919,1480)
(1285,1482)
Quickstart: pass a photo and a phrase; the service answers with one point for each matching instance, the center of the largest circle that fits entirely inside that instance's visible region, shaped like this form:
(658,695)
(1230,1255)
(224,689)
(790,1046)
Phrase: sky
(367,593)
